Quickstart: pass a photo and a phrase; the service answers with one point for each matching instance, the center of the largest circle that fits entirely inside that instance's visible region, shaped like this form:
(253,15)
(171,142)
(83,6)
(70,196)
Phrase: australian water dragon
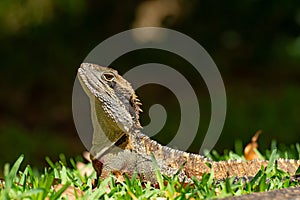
(120,146)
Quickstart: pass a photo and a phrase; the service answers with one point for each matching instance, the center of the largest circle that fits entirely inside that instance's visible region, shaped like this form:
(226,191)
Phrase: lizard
(119,145)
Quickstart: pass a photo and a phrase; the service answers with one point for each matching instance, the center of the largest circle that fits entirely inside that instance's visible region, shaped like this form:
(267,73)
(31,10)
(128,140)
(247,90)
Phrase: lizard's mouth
(91,83)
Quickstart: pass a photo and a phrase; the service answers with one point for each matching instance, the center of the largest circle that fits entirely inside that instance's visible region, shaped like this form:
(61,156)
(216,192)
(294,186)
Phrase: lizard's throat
(108,136)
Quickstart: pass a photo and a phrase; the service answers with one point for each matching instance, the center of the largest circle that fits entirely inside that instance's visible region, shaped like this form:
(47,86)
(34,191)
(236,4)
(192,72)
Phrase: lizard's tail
(196,166)
(250,168)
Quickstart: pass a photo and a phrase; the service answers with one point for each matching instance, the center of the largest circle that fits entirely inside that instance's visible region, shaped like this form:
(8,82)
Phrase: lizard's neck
(106,133)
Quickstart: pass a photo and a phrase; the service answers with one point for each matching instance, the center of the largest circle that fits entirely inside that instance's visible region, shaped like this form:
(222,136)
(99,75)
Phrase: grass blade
(157,172)
(13,172)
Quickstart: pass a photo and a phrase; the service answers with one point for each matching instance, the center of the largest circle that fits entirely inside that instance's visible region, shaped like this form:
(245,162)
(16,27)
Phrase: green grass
(32,184)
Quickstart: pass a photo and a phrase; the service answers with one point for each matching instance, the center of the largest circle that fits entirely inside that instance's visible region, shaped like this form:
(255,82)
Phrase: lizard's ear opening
(135,104)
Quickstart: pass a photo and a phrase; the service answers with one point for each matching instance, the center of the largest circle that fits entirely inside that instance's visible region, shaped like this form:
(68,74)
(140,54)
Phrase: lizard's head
(116,104)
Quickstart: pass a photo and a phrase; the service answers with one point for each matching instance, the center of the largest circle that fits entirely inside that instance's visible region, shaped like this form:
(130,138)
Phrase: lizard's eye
(108,76)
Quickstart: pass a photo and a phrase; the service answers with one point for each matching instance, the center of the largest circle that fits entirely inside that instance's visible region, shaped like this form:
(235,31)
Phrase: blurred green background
(255,44)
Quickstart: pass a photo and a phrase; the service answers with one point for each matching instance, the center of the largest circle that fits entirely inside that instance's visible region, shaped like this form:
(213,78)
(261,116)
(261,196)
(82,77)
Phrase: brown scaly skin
(120,146)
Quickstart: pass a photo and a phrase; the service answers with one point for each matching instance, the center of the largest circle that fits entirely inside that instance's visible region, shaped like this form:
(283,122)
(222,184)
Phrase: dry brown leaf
(249,151)
(119,176)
